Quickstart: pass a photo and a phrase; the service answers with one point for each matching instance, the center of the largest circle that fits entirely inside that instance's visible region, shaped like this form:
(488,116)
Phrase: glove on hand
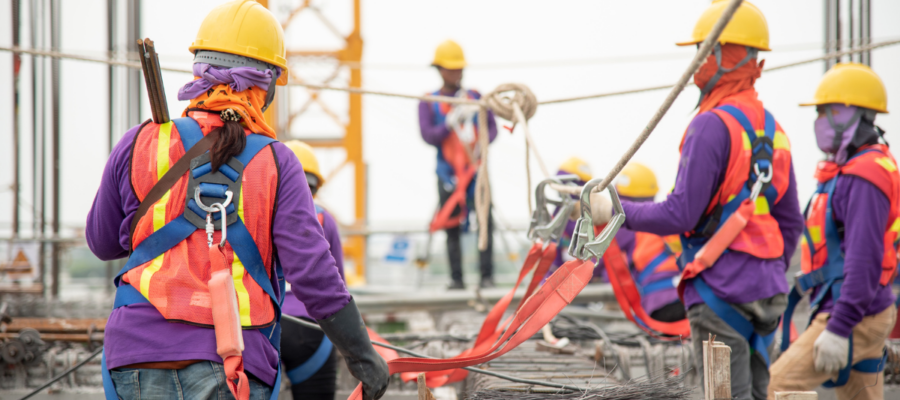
(601,208)
(830,352)
(348,333)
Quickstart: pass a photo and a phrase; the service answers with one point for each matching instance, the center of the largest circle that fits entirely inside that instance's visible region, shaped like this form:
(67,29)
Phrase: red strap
(537,256)
(717,244)
(443,220)
(629,298)
(559,290)
(236,378)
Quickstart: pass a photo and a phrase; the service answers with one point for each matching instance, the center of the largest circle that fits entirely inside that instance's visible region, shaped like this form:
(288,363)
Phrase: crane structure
(347,57)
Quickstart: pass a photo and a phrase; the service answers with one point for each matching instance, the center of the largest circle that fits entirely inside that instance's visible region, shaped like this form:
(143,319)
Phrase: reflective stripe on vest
(766,146)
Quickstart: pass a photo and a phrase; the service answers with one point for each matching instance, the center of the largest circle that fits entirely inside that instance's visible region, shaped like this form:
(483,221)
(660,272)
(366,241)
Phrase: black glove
(348,333)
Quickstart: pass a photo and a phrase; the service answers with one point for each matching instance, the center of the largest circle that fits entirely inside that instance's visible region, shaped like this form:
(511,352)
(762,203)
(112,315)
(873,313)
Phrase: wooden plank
(61,325)
(716,369)
(796,396)
(424,393)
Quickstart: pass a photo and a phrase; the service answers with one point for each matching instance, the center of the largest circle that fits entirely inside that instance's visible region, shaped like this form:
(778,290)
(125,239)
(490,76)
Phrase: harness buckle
(584,244)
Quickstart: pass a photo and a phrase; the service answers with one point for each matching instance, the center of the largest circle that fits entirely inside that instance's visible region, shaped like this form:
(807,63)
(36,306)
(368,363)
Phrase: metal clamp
(220,207)
(584,244)
(544,225)
(761,180)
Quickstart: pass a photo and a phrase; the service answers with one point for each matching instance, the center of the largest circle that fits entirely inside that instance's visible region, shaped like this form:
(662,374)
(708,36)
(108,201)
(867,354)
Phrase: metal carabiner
(221,207)
(761,180)
(544,225)
(584,244)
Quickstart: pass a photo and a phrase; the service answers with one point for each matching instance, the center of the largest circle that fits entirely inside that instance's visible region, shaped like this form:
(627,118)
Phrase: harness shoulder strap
(194,144)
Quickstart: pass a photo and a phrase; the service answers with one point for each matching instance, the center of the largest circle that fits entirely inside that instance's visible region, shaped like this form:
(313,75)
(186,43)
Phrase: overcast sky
(559,49)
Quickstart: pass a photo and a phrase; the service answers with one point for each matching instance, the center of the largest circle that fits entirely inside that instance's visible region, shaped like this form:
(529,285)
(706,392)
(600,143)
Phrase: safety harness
(828,278)
(315,362)
(457,166)
(628,292)
(701,252)
(206,187)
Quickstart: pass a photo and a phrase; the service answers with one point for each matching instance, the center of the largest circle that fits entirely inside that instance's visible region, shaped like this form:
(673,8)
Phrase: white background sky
(560,49)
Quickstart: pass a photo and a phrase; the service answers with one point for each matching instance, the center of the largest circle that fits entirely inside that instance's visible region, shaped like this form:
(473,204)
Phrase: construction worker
(849,247)
(454,131)
(309,357)
(159,196)
(730,147)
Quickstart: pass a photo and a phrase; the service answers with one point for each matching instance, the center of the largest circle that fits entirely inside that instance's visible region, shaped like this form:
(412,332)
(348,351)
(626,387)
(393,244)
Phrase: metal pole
(133,27)
(111,13)
(17,62)
(54,65)
(865,30)
(850,34)
(832,25)
(41,18)
(34,121)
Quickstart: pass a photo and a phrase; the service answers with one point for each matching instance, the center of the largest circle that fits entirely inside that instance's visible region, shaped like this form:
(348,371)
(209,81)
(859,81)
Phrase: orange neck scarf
(730,83)
(247,103)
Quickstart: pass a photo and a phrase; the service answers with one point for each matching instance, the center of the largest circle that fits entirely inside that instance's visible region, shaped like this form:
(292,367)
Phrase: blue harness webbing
(180,229)
(828,279)
(304,371)
(691,245)
(645,285)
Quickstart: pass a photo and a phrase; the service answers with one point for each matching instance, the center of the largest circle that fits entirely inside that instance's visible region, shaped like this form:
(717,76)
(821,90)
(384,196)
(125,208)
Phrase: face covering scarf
(835,130)
(242,89)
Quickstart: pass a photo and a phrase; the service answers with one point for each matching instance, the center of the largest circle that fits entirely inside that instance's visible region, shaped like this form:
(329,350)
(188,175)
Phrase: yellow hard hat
(245,28)
(577,166)
(449,55)
(851,84)
(747,27)
(637,181)
(307,157)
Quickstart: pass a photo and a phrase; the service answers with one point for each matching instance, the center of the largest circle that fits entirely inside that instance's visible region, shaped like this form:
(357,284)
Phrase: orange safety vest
(175,282)
(744,115)
(820,244)
(456,154)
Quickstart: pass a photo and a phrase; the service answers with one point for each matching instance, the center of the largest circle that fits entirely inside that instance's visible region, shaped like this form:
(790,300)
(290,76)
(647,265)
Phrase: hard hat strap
(840,128)
(751,54)
(228,60)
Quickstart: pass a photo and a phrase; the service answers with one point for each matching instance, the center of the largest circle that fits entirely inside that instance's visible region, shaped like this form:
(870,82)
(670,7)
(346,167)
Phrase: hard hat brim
(694,42)
(450,64)
(819,103)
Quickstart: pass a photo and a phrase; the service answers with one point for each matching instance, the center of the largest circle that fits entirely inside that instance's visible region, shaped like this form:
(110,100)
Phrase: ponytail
(231,140)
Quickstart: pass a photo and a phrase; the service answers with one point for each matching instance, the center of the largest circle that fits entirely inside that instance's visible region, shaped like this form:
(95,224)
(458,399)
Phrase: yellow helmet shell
(449,55)
(851,84)
(307,157)
(637,181)
(747,27)
(577,166)
(245,28)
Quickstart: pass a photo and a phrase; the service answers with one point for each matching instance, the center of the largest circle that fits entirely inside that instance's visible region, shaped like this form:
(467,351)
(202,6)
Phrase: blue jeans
(202,380)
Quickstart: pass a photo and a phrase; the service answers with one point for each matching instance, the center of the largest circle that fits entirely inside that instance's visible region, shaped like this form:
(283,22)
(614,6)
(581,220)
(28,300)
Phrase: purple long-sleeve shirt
(434,132)
(736,277)
(292,305)
(138,333)
(863,210)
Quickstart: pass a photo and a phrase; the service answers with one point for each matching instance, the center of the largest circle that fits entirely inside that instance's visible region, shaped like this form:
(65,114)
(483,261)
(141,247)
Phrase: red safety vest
(649,248)
(876,165)
(455,153)
(761,237)
(176,281)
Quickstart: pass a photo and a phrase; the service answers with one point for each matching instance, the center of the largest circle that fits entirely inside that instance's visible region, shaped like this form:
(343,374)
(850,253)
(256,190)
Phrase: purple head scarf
(239,78)
(825,131)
